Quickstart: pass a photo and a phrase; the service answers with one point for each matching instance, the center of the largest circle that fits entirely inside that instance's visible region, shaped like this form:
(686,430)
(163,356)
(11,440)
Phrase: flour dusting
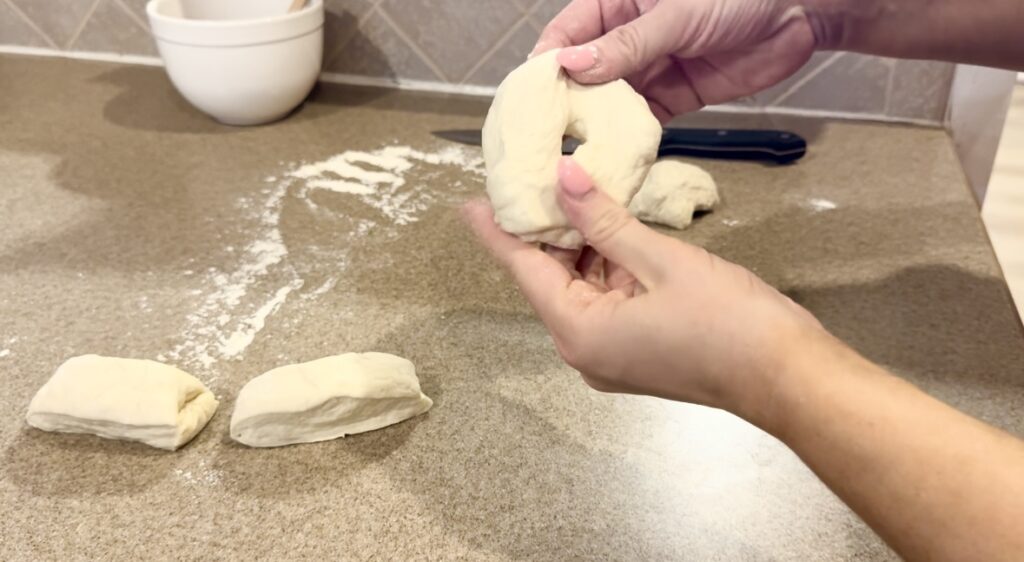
(818,205)
(236,343)
(237,303)
(378,177)
(205,342)
(202,475)
(10,341)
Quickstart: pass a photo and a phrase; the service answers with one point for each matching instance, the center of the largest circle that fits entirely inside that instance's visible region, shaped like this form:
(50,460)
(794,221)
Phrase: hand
(681,54)
(648,314)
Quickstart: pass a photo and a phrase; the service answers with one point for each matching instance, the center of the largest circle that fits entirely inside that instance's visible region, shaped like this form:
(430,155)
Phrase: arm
(934,483)
(648,314)
(984,32)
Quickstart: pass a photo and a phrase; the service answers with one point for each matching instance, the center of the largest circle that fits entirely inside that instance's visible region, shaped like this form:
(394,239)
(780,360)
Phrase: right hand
(681,54)
(663,317)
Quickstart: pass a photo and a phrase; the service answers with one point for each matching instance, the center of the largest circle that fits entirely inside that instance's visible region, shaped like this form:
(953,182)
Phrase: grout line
(803,81)
(412,45)
(81,26)
(890,80)
(501,42)
(28,21)
(825,114)
(143,60)
(132,16)
(329,58)
(519,4)
(411,85)
(467,90)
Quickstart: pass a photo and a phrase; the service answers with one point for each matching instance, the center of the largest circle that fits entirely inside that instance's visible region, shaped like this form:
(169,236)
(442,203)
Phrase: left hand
(644,313)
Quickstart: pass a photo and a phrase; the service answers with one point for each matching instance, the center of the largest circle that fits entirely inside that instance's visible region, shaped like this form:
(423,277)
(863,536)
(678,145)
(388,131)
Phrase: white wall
(978,103)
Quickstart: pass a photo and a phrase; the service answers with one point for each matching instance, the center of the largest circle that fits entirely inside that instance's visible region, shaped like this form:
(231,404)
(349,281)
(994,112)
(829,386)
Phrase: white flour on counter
(236,343)
(378,177)
(212,332)
(237,304)
(7,352)
(817,205)
(201,474)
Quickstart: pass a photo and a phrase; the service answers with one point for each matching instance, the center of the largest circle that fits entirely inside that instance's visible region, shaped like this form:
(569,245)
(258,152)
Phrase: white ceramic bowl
(244,62)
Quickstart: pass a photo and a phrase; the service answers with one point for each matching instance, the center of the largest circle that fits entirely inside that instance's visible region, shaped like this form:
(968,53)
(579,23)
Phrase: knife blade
(781,147)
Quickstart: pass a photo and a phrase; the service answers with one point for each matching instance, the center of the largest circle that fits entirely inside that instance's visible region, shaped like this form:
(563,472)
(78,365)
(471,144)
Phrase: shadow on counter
(65,465)
(933,321)
(148,101)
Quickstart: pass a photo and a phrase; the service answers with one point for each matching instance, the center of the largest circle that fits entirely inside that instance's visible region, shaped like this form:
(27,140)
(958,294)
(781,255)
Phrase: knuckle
(607,223)
(629,41)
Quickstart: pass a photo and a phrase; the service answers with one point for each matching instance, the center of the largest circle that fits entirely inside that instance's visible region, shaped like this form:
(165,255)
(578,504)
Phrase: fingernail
(577,59)
(573,179)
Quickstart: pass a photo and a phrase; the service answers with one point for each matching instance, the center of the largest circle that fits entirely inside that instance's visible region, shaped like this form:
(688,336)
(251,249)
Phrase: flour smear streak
(236,305)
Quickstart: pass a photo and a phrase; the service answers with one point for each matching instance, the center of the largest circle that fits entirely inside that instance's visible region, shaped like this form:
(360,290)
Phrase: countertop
(131,225)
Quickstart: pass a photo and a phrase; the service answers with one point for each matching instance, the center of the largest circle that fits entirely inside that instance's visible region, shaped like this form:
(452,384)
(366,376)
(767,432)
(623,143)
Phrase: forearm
(985,32)
(931,481)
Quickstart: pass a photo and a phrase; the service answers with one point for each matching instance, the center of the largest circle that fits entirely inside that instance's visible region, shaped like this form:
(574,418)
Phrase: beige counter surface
(131,225)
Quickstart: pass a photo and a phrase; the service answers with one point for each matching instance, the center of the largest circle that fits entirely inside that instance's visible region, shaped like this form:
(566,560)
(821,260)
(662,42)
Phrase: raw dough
(326,399)
(672,192)
(522,139)
(130,399)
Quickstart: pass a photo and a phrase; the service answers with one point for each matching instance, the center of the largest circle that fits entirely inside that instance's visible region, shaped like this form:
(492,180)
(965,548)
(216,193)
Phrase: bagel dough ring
(522,138)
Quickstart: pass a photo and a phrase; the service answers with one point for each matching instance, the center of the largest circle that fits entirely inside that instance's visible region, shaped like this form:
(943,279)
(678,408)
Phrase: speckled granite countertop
(130,225)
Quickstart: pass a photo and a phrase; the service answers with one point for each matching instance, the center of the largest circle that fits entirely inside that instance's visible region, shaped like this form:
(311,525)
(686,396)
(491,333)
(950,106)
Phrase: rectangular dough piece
(327,398)
(129,399)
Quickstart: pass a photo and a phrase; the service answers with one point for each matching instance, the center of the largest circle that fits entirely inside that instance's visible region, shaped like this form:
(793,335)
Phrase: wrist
(808,357)
(835,23)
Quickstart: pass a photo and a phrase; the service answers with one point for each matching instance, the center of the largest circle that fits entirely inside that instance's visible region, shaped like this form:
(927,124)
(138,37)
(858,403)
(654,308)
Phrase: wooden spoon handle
(296,5)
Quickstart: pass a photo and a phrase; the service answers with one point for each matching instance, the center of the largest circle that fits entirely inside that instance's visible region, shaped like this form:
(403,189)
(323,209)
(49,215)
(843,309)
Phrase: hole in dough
(534,107)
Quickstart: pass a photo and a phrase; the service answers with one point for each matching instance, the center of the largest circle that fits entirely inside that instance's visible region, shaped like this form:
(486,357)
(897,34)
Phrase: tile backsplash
(475,43)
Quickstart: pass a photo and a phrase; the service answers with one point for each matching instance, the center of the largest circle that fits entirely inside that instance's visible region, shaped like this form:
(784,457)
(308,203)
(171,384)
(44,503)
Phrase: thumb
(622,51)
(609,228)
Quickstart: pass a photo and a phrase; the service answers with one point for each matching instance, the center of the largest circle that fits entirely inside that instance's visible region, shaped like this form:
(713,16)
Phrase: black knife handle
(780,147)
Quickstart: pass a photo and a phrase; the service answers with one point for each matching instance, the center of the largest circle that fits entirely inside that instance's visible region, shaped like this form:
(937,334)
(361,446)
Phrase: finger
(667,89)
(582,21)
(609,227)
(624,49)
(543,281)
(728,75)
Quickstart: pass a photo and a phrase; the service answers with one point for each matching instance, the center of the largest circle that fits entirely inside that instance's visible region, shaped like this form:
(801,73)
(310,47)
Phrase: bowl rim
(152,12)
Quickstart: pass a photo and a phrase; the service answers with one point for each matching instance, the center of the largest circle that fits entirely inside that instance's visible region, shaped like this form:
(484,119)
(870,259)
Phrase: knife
(781,147)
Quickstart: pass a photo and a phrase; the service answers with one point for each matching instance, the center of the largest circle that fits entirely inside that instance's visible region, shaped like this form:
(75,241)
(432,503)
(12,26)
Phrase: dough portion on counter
(672,192)
(129,399)
(522,137)
(327,398)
